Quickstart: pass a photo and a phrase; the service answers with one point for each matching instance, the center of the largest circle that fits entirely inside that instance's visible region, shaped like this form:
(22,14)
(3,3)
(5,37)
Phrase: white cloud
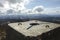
(38,9)
(43,10)
(53,0)
(1,5)
(16,5)
(51,10)
(14,1)
(35,10)
(27,11)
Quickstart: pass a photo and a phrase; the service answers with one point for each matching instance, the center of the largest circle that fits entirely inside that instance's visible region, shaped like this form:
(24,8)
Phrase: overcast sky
(29,6)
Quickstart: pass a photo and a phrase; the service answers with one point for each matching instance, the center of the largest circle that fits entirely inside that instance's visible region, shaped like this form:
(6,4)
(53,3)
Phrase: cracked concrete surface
(35,30)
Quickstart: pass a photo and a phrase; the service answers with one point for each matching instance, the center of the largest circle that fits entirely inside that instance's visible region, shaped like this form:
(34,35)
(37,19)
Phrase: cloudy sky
(29,6)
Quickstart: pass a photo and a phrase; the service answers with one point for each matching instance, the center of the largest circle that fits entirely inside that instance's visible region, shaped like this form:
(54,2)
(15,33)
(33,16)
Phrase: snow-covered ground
(35,30)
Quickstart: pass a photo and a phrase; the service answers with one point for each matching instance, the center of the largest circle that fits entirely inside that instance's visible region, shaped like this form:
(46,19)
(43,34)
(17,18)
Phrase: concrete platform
(35,30)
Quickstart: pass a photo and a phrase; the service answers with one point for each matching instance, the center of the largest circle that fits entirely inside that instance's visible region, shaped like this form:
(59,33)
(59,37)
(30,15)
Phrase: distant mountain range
(24,17)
